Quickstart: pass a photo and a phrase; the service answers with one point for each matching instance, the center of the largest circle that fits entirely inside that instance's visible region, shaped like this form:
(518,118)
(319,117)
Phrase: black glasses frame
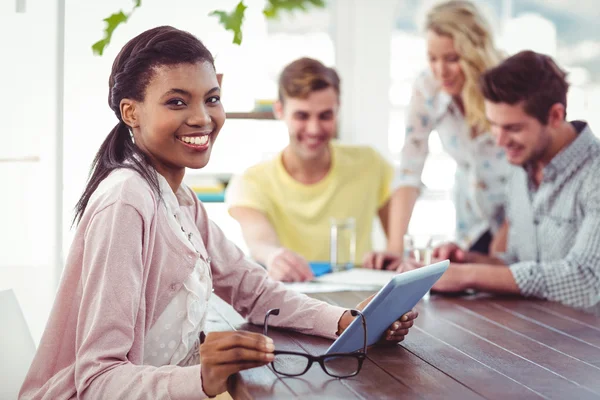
(358,355)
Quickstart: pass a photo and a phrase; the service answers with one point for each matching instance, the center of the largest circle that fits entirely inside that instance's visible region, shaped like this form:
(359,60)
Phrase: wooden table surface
(460,348)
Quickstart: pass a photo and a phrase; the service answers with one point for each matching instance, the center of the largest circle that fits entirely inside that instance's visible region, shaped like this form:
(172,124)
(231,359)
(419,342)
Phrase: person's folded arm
(112,301)
(573,280)
(478,258)
(481,277)
(493,279)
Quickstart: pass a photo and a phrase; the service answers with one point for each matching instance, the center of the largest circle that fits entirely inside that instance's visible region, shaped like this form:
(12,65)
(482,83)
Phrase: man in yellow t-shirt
(284,205)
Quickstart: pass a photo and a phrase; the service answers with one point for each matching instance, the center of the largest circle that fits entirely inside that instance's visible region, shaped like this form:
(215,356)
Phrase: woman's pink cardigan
(124,267)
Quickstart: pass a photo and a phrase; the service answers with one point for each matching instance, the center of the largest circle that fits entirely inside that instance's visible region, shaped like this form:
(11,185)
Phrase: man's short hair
(530,78)
(304,76)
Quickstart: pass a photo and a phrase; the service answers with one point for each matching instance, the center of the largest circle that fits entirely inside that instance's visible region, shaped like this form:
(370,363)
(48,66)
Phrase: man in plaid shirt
(553,209)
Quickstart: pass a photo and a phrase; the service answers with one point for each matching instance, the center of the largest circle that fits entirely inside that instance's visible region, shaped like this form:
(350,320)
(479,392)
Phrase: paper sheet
(324,287)
(353,279)
(359,277)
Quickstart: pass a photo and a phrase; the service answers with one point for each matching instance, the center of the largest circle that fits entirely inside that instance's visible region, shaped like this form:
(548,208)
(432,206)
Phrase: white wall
(28,110)
(362,33)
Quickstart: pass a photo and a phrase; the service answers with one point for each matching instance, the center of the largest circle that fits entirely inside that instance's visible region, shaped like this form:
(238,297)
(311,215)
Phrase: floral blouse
(482,168)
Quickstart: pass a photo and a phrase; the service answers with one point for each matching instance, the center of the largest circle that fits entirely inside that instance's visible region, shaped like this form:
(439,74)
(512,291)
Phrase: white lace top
(174,337)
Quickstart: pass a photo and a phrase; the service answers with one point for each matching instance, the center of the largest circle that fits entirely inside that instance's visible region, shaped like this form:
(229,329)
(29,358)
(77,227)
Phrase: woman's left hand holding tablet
(395,332)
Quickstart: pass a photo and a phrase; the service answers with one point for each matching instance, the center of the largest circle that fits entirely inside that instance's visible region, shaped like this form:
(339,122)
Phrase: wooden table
(460,348)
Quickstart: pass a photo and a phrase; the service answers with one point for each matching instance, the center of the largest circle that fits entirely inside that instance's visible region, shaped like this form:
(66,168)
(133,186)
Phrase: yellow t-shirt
(357,185)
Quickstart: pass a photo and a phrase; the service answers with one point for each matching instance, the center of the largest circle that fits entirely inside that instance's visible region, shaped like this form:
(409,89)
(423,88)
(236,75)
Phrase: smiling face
(180,117)
(444,63)
(311,122)
(523,137)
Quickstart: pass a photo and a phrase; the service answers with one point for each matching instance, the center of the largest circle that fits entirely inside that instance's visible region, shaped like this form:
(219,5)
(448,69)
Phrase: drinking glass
(342,243)
(418,248)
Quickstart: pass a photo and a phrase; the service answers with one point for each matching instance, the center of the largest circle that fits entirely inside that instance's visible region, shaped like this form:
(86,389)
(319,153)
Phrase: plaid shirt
(554,237)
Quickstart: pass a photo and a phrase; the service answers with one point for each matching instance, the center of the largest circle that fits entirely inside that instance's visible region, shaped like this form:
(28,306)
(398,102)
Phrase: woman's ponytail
(117,151)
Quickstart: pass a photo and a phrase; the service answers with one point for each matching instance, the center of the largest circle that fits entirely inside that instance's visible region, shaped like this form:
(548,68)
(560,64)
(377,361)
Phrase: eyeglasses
(337,365)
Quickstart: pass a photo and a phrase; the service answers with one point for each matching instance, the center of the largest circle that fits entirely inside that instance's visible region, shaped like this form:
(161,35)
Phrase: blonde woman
(446,98)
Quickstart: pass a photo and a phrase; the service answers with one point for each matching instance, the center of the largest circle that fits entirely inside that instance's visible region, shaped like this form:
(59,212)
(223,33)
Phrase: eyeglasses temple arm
(265,329)
(364,324)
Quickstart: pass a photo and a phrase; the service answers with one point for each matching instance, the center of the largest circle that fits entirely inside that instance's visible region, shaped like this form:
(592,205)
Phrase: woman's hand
(399,328)
(225,353)
(395,332)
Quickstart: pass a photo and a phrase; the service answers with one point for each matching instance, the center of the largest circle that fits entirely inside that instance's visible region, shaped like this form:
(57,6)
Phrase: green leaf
(274,8)
(232,21)
(112,22)
(98,47)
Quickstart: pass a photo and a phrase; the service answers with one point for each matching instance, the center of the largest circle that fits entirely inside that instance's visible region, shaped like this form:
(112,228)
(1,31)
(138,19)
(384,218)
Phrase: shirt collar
(174,200)
(572,156)
(437,102)
(443,105)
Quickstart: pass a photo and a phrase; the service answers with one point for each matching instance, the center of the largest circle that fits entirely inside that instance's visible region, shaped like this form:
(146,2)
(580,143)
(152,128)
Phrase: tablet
(395,299)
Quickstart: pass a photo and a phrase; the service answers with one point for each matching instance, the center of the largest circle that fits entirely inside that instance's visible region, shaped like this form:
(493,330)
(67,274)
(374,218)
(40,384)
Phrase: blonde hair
(473,41)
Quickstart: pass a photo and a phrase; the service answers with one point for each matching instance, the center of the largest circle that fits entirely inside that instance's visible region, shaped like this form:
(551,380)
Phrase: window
(569,35)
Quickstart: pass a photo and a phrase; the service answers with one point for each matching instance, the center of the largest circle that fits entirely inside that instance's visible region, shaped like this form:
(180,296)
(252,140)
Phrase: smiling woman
(145,260)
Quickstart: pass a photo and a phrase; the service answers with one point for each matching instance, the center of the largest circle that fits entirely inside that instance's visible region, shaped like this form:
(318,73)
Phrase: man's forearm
(261,250)
(258,232)
(492,278)
(261,243)
(478,258)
